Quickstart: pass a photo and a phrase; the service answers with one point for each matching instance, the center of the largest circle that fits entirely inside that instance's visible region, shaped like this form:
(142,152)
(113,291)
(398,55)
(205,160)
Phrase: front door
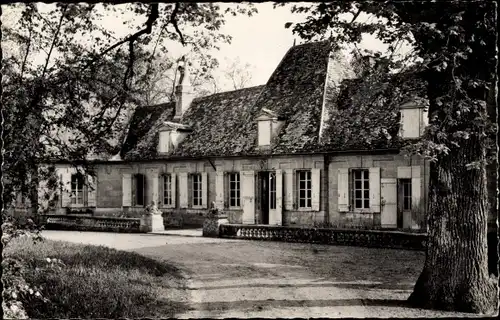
(271,197)
(388,193)
(404,203)
(264,178)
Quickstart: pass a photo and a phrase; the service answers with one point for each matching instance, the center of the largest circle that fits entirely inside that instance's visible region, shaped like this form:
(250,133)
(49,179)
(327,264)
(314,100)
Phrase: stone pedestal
(152,222)
(211,225)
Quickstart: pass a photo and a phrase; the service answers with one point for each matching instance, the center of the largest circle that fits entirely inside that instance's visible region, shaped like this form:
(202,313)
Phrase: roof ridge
(230,91)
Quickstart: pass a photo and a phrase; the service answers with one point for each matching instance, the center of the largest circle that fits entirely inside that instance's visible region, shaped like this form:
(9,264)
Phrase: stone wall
(388,165)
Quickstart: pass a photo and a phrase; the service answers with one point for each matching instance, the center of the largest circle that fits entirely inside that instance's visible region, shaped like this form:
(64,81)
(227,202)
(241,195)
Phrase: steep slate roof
(366,113)
(145,120)
(224,124)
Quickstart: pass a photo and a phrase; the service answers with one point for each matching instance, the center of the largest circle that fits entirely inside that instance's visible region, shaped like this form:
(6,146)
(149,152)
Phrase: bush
(92,281)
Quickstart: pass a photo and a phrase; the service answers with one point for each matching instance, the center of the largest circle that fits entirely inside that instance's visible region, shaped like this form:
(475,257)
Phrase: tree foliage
(69,82)
(454,52)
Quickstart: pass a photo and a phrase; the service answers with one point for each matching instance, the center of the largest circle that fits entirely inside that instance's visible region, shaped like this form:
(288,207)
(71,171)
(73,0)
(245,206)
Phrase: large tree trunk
(455,275)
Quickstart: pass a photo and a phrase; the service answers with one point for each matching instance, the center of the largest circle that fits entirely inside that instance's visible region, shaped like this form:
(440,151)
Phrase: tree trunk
(455,275)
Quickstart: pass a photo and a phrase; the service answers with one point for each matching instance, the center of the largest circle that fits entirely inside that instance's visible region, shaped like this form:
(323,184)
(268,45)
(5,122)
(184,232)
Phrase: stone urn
(152,219)
(211,225)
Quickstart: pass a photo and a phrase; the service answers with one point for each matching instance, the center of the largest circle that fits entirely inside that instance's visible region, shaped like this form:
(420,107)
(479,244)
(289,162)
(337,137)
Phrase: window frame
(272,191)
(135,190)
(308,191)
(406,182)
(196,193)
(365,177)
(73,194)
(237,190)
(166,190)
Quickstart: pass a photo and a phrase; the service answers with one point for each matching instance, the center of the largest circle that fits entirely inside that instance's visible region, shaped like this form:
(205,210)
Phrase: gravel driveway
(237,278)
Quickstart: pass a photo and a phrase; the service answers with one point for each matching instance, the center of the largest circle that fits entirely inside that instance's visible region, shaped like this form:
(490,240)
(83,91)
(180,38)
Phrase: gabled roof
(302,92)
(223,124)
(366,113)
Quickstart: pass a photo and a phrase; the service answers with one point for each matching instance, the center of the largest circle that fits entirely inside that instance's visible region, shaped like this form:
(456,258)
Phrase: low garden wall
(90,223)
(365,238)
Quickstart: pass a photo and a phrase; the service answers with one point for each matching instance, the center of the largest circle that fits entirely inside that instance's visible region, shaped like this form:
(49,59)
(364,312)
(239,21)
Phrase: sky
(260,41)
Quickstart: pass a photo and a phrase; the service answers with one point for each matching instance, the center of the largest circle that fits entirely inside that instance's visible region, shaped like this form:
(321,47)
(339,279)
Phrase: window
(167,190)
(406,186)
(196,183)
(272,190)
(77,189)
(304,188)
(360,189)
(139,192)
(234,190)
(264,131)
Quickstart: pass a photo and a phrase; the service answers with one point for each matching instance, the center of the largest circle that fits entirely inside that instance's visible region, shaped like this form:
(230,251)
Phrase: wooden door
(388,194)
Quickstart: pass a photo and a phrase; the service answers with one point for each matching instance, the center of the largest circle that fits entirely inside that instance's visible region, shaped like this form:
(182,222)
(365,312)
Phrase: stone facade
(110,197)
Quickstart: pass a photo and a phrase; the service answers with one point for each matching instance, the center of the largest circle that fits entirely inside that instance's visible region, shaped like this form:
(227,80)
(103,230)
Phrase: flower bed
(82,223)
(365,238)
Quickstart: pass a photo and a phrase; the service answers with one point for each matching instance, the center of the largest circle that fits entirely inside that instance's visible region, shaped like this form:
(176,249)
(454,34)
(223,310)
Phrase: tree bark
(455,275)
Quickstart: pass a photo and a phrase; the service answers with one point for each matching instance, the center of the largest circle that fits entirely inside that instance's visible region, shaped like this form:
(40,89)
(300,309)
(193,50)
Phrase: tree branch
(153,15)
(173,21)
(54,40)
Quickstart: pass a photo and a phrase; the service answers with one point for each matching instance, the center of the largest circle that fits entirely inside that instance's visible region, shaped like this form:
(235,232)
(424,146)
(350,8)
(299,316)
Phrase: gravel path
(242,279)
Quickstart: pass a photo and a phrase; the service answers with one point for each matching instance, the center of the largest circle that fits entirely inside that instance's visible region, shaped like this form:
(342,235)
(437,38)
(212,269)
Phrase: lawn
(94,281)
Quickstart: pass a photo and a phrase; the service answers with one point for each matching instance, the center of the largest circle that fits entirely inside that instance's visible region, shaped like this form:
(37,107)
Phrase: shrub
(92,281)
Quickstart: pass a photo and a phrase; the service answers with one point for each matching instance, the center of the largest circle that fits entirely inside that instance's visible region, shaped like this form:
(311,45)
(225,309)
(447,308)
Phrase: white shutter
(183,190)
(155,188)
(343,189)
(127,190)
(173,186)
(247,196)
(278,215)
(415,185)
(289,182)
(204,190)
(91,191)
(315,192)
(66,187)
(374,176)
(219,190)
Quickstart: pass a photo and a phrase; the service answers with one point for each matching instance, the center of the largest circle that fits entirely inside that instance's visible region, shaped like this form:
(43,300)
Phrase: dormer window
(264,132)
(268,125)
(414,119)
(171,135)
(165,141)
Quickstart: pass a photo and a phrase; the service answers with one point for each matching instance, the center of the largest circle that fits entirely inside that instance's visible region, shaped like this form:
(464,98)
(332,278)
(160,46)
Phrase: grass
(96,282)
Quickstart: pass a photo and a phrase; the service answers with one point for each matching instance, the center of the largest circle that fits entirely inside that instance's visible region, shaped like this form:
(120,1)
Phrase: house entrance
(267,183)
(404,203)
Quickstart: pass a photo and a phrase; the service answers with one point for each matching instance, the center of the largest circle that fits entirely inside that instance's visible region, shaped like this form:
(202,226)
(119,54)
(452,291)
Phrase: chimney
(183,91)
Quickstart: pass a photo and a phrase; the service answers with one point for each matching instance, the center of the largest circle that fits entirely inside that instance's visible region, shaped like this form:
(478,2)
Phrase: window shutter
(161,190)
(204,190)
(219,190)
(247,196)
(155,188)
(415,186)
(66,188)
(127,190)
(315,192)
(173,186)
(278,218)
(289,187)
(92,191)
(183,190)
(343,189)
(374,176)
(226,190)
